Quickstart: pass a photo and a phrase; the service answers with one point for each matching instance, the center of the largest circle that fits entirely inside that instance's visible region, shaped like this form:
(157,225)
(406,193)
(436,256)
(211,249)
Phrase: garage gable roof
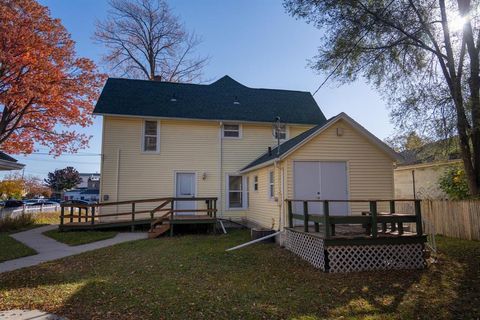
(286,148)
(224,99)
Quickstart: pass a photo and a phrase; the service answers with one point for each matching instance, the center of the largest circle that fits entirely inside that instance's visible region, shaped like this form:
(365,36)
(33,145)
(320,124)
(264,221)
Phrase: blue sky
(255,42)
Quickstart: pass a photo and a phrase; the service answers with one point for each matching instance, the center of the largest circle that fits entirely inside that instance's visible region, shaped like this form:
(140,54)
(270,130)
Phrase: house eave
(9,165)
(197,119)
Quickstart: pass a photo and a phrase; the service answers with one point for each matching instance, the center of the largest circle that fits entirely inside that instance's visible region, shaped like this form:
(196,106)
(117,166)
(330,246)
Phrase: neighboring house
(89,181)
(421,180)
(8,163)
(87,189)
(165,139)
(417,174)
(82,194)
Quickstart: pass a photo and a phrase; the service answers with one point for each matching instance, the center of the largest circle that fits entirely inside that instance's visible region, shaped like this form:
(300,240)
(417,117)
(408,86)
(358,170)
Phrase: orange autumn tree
(44,87)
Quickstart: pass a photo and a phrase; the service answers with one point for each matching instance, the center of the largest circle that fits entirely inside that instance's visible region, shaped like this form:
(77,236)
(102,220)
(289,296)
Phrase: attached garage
(339,160)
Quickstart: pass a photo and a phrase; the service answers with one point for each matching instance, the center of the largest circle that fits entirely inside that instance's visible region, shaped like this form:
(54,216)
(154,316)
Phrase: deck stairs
(159,226)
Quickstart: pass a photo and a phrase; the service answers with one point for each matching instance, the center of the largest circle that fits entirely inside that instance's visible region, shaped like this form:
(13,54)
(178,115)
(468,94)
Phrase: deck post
(326,215)
(290,214)
(86,214)
(215,208)
(79,214)
(133,216)
(93,215)
(373,212)
(305,216)
(71,214)
(392,211)
(172,205)
(418,215)
(62,215)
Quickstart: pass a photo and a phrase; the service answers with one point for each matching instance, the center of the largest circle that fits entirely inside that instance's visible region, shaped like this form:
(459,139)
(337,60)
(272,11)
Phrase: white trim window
(255,183)
(271,184)
(151,136)
(232,131)
(236,192)
(284,134)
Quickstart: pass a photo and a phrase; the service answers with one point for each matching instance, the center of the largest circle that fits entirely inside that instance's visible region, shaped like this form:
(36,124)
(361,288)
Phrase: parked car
(13,204)
(84,202)
(37,202)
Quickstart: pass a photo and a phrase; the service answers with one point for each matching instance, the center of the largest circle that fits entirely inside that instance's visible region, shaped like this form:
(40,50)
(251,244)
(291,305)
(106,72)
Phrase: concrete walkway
(49,249)
(18,314)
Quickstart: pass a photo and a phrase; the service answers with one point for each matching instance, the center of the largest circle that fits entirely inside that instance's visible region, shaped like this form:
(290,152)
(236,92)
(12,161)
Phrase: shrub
(9,224)
(454,183)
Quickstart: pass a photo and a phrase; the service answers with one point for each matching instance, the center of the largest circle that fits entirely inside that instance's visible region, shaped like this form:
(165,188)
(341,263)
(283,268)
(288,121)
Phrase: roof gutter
(9,165)
(194,119)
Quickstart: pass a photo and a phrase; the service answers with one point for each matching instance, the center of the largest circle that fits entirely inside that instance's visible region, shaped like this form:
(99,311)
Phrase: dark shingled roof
(441,150)
(6,157)
(284,147)
(209,102)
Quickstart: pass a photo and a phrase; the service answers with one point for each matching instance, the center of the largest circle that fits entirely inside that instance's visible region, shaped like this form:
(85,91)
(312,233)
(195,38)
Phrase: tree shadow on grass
(193,277)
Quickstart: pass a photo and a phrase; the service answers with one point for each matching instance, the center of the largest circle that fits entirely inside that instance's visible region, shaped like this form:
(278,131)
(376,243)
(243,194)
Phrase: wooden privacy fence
(457,219)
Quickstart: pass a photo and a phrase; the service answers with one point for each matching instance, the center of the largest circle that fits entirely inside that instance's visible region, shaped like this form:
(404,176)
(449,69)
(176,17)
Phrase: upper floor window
(231,131)
(255,183)
(151,136)
(281,134)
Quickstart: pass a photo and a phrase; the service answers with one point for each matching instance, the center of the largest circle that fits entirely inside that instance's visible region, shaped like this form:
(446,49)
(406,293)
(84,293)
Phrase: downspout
(277,166)
(117,186)
(282,204)
(220,175)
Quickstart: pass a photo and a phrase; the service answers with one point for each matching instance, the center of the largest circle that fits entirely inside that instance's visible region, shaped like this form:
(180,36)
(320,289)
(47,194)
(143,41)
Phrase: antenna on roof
(279,132)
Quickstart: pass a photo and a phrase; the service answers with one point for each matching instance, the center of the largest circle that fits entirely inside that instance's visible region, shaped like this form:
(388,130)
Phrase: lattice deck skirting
(352,258)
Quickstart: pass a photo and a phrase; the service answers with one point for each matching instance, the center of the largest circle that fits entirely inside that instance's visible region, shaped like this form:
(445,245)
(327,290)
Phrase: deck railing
(88,213)
(370,219)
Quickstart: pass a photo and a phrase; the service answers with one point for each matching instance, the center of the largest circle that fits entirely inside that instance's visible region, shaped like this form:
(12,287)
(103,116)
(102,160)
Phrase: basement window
(231,131)
(151,136)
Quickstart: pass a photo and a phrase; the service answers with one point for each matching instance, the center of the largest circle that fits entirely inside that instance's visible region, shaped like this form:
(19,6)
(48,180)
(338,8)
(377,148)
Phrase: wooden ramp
(162,218)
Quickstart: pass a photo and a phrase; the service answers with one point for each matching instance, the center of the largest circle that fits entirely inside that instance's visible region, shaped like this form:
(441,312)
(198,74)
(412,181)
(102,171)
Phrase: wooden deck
(161,218)
(368,227)
(356,235)
(119,223)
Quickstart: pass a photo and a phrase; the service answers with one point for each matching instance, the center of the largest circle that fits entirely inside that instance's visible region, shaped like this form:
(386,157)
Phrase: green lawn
(12,249)
(192,277)
(75,238)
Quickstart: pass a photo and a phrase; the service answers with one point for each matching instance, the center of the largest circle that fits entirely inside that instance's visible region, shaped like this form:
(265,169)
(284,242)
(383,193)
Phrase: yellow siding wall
(184,145)
(370,170)
(264,210)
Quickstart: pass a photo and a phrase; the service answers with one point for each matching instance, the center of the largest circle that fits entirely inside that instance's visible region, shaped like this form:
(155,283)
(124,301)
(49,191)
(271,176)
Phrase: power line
(349,51)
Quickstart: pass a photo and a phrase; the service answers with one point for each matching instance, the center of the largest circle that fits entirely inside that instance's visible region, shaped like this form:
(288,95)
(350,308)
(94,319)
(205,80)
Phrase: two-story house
(164,139)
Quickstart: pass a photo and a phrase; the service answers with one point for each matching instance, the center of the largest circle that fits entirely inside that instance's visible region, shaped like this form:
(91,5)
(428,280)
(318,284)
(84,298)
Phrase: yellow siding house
(165,139)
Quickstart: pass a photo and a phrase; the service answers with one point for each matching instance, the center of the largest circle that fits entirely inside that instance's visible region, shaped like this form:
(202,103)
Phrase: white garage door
(323,180)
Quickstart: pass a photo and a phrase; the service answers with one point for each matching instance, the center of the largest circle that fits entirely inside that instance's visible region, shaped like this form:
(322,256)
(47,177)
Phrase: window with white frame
(151,141)
(236,192)
(281,134)
(231,131)
(271,184)
(255,183)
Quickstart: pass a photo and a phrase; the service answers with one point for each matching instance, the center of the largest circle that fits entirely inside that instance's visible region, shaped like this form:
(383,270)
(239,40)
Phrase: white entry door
(185,188)
(322,180)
